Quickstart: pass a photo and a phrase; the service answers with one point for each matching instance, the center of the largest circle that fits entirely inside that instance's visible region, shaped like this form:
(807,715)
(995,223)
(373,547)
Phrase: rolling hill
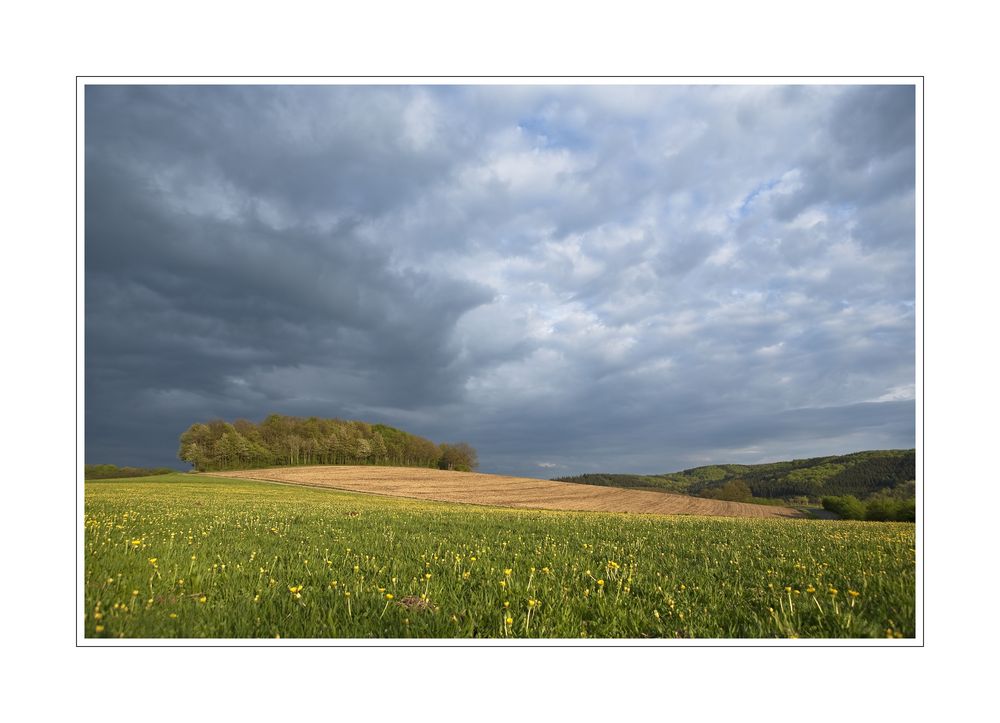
(862,474)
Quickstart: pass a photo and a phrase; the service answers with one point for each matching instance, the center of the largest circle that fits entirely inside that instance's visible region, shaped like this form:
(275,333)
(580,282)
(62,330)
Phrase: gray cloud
(600,278)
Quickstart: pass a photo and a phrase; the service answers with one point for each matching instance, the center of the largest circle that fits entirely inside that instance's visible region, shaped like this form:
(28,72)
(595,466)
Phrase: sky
(570,278)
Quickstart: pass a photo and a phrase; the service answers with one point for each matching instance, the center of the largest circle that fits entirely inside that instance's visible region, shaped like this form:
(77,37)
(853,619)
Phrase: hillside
(501,491)
(862,474)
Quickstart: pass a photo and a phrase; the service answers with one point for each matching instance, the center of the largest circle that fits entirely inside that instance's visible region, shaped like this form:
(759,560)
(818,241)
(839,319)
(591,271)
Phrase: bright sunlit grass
(196,557)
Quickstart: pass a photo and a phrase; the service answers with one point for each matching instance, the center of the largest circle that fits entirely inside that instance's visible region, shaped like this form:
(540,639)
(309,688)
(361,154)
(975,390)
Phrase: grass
(196,557)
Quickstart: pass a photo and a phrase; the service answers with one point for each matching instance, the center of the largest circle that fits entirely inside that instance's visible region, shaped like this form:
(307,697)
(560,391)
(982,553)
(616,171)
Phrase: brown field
(501,491)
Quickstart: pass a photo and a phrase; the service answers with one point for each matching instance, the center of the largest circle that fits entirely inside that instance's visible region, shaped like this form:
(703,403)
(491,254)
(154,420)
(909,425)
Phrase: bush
(847,507)
(884,509)
(880,509)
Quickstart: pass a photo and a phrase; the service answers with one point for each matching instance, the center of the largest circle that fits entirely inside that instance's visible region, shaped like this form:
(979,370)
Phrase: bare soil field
(490,489)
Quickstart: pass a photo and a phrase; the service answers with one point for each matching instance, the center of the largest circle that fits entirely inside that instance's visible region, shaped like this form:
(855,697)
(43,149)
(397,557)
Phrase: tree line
(112,471)
(879,508)
(282,440)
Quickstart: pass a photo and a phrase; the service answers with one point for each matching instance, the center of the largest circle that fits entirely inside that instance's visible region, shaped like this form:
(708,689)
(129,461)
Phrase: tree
(461,457)
(363,450)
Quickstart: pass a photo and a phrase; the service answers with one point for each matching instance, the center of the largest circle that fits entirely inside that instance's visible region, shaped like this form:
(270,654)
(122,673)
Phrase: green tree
(460,456)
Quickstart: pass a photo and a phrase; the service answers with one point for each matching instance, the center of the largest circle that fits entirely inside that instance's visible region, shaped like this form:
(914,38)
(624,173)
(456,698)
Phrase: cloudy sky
(572,279)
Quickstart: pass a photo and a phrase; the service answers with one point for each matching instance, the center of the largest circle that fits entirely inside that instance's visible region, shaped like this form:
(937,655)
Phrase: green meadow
(183,556)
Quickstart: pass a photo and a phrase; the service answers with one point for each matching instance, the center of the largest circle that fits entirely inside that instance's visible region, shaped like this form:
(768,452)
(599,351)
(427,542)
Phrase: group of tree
(862,474)
(880,508)
(111,471)
(281,440)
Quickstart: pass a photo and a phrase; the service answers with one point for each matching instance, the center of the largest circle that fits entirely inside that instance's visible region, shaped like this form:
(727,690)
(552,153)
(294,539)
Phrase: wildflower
(600,583)
(853,593)
(427,576)
(173,615)
(388,596)
(509,620)
(202,599)
(832,591)
(507,571)
(99,629)
(810,589)
(152,561)
(506,603)
(136,543)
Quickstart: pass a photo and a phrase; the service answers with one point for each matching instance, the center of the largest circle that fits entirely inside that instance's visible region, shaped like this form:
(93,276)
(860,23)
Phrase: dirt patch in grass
(503,491)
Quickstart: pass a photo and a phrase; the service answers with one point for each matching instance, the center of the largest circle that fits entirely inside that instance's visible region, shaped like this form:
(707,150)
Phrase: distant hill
(862,474)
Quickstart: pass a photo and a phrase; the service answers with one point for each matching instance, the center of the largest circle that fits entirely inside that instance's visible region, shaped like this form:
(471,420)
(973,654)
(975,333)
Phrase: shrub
(847,507)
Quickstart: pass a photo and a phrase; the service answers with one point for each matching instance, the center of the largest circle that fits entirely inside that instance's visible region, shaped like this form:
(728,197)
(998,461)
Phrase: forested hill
(862,474)
(282,440)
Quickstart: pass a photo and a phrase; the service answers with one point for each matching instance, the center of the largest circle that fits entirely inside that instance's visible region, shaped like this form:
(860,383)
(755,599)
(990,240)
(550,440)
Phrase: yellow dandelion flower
(203,598)
(853,593)
(388,596)
(508,620)
(173,615)
(99,629)
(600,583)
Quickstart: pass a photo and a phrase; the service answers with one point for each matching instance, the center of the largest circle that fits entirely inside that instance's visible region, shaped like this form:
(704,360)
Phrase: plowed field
(501,491)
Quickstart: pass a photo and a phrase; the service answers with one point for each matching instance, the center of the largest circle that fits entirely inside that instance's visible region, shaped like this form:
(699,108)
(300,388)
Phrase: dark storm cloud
(572,279)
